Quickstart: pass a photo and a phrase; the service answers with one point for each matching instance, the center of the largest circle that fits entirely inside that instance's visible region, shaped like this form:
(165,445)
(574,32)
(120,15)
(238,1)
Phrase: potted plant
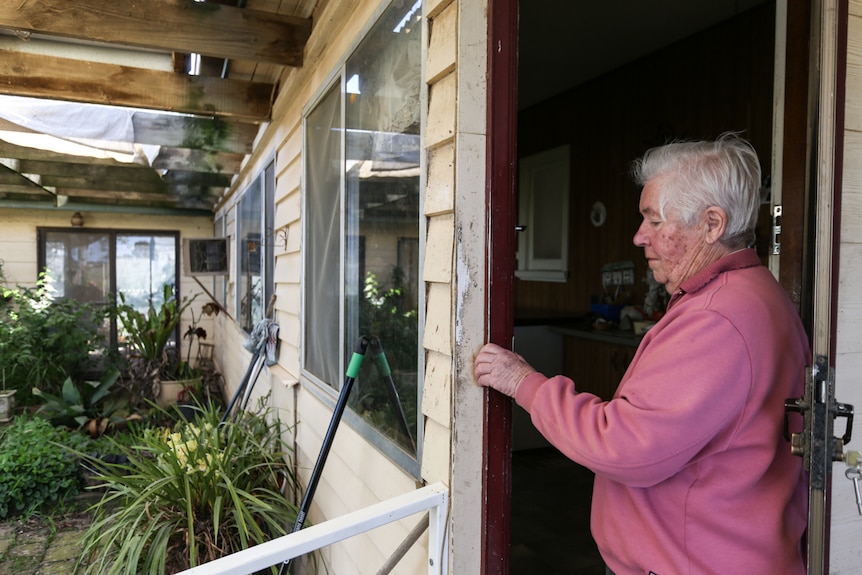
(151,360)
(182,380)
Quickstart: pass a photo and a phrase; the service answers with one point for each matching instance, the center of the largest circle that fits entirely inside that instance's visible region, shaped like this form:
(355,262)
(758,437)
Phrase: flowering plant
(190,494)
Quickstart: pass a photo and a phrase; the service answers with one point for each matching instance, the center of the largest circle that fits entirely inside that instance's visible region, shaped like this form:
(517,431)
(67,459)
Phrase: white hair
(698,175)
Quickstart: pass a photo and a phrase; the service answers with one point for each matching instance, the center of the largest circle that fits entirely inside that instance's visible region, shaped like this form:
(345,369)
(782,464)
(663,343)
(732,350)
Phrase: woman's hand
(500,369)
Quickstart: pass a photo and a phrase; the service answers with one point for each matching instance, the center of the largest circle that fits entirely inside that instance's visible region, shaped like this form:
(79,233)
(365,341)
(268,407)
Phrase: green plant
(44,339)
(190,494)
(91,401)
(33,469)
(147,335)
(178,368)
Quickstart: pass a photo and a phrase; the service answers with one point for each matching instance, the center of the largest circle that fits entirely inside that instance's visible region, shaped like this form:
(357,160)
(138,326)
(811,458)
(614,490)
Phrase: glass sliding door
(94,266)
(145,264)
(77,265)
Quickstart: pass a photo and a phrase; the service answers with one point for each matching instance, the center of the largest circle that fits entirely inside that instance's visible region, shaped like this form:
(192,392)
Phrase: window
(255,258)
(220,282)
(92,265)
(362,214)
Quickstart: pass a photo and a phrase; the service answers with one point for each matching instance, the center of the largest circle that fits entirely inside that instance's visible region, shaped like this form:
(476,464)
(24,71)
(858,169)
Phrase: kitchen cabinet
(543,216)
(597,366)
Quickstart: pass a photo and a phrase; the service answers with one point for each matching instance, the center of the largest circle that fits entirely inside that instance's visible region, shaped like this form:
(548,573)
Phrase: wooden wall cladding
(716,81)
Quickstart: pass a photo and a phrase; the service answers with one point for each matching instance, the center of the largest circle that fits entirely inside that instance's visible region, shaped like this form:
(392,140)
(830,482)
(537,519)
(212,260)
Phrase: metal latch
(819,410)
(776,230)
(819,449)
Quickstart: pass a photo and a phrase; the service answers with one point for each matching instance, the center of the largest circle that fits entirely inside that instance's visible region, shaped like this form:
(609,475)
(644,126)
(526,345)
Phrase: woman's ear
(716,224)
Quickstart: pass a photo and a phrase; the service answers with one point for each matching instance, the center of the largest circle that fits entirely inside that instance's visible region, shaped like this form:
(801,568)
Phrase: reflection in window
(78,265)
(145,264)
(255,249)
(250,248)
(323,244)
(363,214)
(219,281)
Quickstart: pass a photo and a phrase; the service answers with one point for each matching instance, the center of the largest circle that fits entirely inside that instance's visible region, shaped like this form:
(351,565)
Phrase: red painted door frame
(501,209)
(500,191)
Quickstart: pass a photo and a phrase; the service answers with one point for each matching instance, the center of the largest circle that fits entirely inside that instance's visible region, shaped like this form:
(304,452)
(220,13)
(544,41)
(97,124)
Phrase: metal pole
(352,372)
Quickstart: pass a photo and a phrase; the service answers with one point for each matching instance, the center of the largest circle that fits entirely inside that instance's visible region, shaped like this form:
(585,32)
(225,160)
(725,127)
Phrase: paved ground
(40,546)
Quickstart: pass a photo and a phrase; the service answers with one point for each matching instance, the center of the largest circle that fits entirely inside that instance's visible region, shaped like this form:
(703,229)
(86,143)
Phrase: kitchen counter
(610,335)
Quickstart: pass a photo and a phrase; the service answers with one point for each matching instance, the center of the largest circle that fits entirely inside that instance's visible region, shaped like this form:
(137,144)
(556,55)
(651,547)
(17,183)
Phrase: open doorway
(610,81)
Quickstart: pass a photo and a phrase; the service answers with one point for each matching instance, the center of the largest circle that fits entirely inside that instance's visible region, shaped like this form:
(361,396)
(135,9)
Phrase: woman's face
(673,252)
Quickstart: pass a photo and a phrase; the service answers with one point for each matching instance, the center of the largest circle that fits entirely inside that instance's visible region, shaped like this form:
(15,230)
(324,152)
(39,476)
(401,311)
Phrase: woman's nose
(640,239)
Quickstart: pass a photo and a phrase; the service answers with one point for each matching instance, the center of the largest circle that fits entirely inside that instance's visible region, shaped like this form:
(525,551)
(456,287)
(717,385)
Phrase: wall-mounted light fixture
(77,220)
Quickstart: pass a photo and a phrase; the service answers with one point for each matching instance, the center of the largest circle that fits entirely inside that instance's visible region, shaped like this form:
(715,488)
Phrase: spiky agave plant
(190,494)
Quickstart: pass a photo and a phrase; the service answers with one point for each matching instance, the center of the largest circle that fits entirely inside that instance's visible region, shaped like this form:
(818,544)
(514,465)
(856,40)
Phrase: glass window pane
(323,240)
(219,281)
(82,265)
(78,267)
(146,263)
(250,248)
(78,264)
(269,217)
(382,215)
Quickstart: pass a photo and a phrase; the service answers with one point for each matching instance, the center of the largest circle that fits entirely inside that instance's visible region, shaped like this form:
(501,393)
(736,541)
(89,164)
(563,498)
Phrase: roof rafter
(23,74)
(170,25)
(167,159)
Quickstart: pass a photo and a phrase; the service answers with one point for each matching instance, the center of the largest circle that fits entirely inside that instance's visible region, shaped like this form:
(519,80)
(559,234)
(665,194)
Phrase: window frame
(265,178)
(220,282)
(327,392)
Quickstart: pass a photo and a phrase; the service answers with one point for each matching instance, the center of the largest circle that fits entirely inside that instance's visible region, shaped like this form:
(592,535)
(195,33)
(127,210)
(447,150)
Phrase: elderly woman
(693,473)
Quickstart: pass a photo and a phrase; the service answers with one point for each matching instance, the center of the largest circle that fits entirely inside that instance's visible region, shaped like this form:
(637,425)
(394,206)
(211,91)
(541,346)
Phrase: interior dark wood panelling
(796,201)
(719,80)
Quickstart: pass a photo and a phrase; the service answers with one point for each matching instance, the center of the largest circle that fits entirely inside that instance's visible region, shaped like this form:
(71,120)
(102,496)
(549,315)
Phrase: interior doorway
(610,81)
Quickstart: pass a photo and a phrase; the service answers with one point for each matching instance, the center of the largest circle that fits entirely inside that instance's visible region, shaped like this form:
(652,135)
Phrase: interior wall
(719,80)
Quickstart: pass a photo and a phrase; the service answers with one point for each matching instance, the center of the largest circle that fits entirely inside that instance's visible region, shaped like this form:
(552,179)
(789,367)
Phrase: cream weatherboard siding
(845,551)
(455,206)
(18,243)
(356,473)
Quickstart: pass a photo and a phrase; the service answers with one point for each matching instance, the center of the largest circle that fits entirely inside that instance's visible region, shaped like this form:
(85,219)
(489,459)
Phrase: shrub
(190,494)
(34,469)
(44,340)
(95,404)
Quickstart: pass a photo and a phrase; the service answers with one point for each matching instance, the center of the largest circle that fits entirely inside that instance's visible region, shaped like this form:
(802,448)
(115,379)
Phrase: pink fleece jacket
(693,474)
